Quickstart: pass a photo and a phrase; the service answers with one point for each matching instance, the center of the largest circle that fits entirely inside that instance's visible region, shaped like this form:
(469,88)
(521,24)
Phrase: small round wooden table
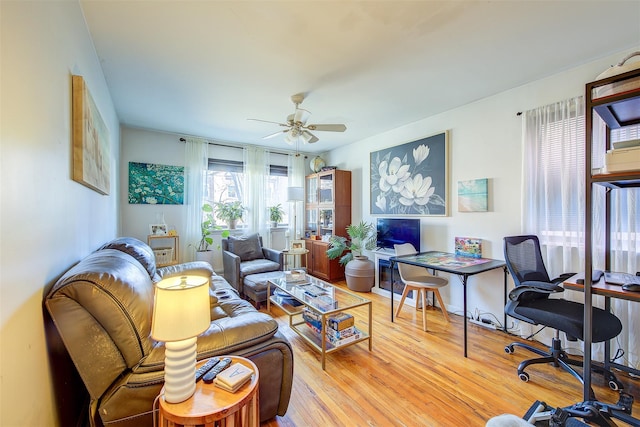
(212,406)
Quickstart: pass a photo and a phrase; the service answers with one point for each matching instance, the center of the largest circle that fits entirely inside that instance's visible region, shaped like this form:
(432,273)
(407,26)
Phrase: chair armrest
(563,277)
(274,255)
(231,264)
(536,287)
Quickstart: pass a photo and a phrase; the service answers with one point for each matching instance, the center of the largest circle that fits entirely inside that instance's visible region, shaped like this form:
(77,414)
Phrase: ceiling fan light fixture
(290,138)
(301,116)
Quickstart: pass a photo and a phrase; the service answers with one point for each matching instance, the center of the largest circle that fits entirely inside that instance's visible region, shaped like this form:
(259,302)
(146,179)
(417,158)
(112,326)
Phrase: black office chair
(529,301)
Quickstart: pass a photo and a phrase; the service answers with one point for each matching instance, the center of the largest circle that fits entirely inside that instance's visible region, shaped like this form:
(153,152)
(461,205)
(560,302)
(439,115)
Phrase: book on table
(234,377)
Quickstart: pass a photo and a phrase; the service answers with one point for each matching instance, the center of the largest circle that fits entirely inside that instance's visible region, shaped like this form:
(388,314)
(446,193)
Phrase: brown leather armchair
(102,310)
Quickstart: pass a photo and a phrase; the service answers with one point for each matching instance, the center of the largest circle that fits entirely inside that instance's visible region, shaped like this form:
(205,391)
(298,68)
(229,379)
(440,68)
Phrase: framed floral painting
(152,184)
(412,178)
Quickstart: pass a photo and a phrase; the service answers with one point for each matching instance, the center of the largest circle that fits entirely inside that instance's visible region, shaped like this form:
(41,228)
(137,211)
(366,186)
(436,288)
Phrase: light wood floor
(417,378)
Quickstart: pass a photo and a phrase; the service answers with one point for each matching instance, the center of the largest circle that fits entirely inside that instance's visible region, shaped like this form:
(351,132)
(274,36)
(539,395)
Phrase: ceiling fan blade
(268,121)
(308,137)
(280,132)
(329,128)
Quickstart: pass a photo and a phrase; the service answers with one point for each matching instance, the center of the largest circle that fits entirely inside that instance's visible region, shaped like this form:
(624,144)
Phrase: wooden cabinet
(615,101)
(319,265)
(327,204)
(327,213)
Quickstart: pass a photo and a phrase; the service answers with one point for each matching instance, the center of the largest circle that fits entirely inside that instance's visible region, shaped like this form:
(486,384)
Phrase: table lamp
(180,313)
(295,195)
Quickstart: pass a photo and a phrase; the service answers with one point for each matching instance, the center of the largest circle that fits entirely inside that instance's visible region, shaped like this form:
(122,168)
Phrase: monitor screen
(393,231)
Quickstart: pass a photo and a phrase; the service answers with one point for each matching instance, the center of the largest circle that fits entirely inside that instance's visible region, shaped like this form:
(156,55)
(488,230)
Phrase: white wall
(148,146)
(485,142)
(47,221)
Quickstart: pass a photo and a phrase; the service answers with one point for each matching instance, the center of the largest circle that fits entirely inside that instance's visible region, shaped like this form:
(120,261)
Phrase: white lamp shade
(301,115)
(295,194)
(181,309)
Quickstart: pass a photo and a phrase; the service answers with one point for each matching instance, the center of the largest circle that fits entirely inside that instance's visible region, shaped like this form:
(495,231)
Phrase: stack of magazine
(234,377)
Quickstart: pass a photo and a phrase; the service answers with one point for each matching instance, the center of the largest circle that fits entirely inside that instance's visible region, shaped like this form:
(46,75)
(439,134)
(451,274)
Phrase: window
(277,193)
(554,173)
(225,183)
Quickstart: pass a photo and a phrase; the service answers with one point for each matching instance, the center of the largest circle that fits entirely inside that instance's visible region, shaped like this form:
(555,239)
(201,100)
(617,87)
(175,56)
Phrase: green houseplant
(276,214)
(203,253)
(359,269)
(230,212)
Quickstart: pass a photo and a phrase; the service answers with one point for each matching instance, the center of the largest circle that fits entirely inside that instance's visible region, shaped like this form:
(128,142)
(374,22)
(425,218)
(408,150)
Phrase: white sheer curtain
(195,161)
(256,174)
(553,209)
(295,167)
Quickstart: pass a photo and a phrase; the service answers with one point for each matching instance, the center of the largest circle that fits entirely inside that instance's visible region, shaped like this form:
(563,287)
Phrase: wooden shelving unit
(327,213)
(619,107)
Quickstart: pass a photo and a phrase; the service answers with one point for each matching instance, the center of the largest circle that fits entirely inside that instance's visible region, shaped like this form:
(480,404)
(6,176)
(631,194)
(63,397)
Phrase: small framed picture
(297,246)
(158,229)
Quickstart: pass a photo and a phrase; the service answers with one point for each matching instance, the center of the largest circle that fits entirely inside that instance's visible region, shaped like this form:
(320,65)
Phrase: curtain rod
(282,153)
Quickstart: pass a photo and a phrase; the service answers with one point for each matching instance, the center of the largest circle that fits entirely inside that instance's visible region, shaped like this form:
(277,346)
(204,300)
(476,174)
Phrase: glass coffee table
(322,314)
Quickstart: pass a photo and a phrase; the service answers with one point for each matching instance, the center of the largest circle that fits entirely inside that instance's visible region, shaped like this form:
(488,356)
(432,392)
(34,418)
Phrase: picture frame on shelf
(158,229)
(297,246)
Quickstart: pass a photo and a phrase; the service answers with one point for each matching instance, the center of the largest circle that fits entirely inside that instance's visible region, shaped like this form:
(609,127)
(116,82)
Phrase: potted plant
(359,269)
(203,253)
(230,212)
(276,213)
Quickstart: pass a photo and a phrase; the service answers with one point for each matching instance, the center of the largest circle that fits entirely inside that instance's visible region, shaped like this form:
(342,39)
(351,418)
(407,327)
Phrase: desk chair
(418,279)
(529,301)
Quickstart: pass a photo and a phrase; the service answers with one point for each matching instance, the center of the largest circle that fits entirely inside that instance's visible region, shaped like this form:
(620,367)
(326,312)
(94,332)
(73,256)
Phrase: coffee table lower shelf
(317,340)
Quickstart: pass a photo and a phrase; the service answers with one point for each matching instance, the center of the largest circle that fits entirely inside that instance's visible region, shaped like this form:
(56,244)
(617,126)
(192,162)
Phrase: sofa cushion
(246,247)
(137,249)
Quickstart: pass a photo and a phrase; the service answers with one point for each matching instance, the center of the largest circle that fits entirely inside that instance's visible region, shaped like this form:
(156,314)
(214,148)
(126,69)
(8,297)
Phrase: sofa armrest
(231,263)
(274,255)
(195,268)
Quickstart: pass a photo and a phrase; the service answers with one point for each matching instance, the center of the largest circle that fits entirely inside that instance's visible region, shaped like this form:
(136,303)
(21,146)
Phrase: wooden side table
(211,406)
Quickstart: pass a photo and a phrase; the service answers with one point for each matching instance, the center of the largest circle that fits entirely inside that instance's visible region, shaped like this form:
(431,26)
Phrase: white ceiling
(204,67)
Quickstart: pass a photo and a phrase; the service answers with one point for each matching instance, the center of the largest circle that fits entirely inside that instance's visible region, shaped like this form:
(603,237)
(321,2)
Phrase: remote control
(213,372)
(205,368)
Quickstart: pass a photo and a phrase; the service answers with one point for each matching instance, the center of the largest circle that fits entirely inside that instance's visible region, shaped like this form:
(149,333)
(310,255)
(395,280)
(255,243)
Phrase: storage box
(163,255)
(622,159)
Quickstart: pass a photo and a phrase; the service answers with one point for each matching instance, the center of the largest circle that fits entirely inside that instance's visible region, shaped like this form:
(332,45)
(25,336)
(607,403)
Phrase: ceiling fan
(296,127)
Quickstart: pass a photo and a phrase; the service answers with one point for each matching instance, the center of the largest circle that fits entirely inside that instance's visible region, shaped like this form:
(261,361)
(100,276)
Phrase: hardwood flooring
(417,378)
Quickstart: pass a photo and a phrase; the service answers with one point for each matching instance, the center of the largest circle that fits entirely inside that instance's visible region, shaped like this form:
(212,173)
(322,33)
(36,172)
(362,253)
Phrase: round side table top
(210,402)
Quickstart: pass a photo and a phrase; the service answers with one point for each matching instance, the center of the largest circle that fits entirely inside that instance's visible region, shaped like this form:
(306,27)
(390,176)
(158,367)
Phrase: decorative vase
(232,224)
(317,163)
(360,273)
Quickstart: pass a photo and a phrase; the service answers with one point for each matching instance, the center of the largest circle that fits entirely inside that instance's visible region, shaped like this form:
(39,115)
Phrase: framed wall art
(412,178)
(90,140)
(473,195)
(152,184)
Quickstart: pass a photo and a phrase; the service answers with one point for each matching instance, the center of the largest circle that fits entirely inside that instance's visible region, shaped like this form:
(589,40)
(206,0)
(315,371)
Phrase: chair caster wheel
(524,377)
(508,349)
(615,385)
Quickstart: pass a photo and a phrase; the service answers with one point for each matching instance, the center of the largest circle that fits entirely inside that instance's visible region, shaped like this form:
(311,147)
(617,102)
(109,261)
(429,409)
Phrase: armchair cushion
(246,247)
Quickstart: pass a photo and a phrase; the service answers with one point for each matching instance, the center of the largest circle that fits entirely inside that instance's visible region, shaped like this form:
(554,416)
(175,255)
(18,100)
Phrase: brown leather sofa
(102,309)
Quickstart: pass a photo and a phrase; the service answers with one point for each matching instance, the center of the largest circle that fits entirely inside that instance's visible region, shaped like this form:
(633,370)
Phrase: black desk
(451,263)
